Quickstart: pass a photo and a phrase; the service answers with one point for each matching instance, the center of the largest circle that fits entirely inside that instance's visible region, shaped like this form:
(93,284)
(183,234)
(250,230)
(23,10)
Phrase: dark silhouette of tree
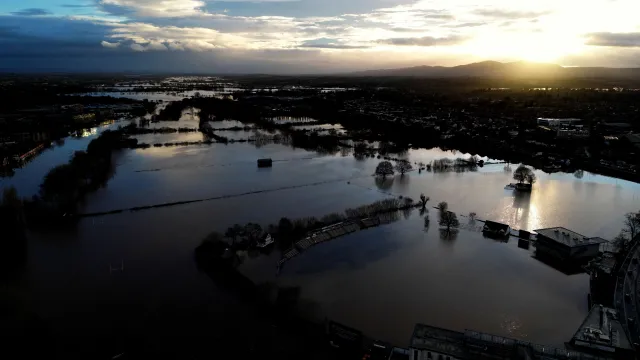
(629,233)
(443,206)
(403,166)
(524,174)
(13,240)
(252,232)
(285,233)
(449,220)
(531,178)
(384,168)
(579,174)
(423,200)
(234,232)
(631,225)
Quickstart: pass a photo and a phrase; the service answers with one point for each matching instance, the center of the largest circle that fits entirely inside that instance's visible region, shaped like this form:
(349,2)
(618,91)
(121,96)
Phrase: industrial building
(601,333)
(566,245)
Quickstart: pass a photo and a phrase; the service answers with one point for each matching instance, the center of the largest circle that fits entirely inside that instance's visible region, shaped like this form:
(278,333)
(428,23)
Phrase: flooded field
(398,271)
(405,274)
(27,179)
(381,281)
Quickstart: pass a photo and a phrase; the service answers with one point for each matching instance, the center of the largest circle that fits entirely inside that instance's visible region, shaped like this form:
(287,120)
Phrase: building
(558,122)
(573,133)
(563,244)
(633,139)
(432,343)
(429,342)
(601,333)
(496,230)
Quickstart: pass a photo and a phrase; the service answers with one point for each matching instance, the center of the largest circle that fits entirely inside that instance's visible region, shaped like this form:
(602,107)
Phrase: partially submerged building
(601,333)
(496,230)
(566,245)
(433,343)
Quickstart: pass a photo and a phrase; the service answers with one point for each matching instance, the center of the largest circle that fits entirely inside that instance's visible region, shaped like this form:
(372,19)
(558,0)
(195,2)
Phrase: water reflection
(492,287)
(448,236)
(355,251)
(384,183)
(403,181)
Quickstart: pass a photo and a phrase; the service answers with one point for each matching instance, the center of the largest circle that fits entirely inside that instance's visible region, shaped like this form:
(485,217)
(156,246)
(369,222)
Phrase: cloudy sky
(306,36)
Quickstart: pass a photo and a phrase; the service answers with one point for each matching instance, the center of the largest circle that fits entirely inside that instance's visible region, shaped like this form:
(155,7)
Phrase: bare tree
(423,200)
(631,225)
(629,232)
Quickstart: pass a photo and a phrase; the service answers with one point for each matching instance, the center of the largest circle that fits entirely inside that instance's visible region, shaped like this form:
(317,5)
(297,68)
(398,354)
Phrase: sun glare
(535,47)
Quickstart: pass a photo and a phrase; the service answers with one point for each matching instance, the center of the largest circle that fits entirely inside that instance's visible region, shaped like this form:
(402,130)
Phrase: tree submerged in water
(523,174)
(423,200)
(448,219)
(384,168)
(403,166)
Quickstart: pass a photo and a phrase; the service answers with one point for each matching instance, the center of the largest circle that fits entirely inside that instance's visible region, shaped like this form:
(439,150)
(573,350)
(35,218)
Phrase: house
(496,230)
(563,244)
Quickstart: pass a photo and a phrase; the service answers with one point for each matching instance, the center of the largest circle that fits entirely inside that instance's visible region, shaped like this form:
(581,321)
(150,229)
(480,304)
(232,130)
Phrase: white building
(551,122)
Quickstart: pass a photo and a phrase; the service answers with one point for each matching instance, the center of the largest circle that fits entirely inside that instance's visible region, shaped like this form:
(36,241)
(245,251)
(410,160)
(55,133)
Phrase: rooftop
(567,237)
(601,330)
(633,138)
(438,340)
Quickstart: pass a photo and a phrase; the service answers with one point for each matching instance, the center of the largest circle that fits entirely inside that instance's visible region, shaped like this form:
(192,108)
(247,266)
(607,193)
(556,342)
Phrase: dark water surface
(381,281)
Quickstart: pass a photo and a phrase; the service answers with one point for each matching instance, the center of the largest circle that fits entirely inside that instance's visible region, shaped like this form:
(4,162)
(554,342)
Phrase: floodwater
(387,279)
(163,96)
(27,179)
(381,281)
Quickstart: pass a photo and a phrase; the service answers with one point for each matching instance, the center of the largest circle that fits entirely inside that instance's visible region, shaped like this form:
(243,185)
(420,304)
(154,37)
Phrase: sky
(311,36)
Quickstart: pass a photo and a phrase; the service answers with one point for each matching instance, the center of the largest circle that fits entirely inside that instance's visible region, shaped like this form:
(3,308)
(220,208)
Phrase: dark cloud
(31,12)
(49,37)
(614,39)
(509,14)
(423,41)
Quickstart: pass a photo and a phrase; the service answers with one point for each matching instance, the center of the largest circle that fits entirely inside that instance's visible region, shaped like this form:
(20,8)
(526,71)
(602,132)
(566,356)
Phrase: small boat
(510,187)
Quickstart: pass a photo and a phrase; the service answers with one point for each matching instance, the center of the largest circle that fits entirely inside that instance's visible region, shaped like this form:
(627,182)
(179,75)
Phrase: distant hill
(519,69)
